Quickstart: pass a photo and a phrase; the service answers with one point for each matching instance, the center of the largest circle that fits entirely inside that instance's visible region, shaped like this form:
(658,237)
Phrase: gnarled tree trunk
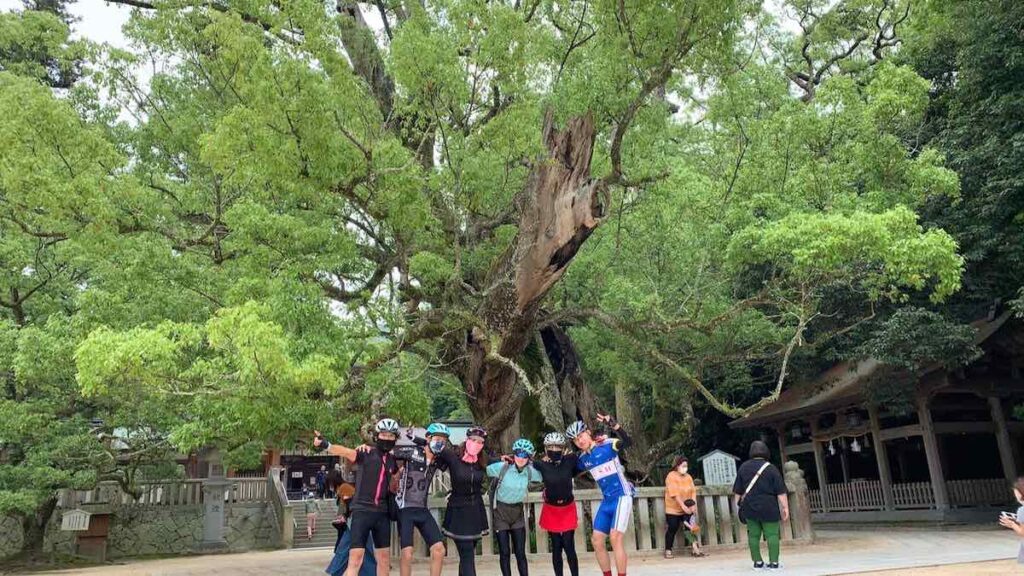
(560,207)
(34,529)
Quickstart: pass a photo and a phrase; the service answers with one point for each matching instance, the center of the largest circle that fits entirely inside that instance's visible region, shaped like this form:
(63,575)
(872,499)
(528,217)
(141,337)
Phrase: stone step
(325,534)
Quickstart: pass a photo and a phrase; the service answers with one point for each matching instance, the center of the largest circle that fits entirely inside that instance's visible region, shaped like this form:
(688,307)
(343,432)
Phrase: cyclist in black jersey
(370,503)
(416,472)
(465,518)
(558,514)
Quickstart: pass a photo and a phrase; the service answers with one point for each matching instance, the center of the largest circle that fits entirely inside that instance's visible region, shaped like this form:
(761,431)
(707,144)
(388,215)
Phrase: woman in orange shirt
(681,507)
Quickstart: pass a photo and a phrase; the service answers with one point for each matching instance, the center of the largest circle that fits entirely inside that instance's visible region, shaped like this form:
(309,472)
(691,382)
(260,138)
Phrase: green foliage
(914,339)
(882,253)
(973,53)
(288,235)
(35,44)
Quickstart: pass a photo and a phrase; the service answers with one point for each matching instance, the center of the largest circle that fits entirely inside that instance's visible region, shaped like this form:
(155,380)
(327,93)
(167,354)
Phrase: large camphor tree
(306,214)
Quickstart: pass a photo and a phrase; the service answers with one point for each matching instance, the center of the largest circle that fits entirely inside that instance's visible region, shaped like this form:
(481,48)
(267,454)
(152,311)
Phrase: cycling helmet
(386,425)
(576,428)
(523,445)
(476,431)
(554,439)
(438,429)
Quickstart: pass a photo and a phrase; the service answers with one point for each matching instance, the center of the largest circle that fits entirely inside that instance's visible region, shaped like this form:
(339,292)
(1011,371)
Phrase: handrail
(284,515)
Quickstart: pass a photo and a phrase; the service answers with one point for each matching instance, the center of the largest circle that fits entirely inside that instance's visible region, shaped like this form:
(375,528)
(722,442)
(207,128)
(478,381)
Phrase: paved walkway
(835,552)
(993,568)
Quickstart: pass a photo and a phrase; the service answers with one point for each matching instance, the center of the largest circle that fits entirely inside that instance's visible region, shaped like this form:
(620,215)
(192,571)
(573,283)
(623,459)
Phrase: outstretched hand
(609,420)
(364,448)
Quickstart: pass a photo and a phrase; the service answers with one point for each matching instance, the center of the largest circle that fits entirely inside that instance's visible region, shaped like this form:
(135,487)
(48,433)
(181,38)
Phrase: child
(1016,523)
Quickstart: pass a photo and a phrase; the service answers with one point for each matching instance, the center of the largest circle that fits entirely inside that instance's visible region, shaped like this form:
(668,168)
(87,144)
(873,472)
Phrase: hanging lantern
(853,419)
(855,446)
(867,441)
(831,448)
(796,432)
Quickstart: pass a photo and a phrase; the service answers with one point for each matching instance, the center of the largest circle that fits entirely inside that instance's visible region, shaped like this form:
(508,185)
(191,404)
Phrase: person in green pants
(760,493)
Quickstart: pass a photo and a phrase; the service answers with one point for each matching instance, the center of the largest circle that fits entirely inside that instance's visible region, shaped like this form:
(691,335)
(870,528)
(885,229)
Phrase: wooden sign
(75,521)
(719,468)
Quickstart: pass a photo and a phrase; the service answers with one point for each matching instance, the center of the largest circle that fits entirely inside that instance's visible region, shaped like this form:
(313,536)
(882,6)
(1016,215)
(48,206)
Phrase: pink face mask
(473,447)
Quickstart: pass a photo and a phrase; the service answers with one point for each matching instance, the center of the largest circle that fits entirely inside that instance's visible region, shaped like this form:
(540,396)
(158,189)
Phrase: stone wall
(11,537)
(171,530)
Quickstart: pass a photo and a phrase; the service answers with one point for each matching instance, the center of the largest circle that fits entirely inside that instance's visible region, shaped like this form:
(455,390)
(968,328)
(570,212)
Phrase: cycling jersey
(372,478)
(414,481)
(604,465)
(558,479)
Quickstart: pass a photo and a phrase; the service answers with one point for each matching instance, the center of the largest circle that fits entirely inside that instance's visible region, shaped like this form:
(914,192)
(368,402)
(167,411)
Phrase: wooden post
(844,461)
(931,450)
(644,512)
(819,464)
(781,433)
(659,524)
(882,458)
(533,513)
(581,532)
(1003,439)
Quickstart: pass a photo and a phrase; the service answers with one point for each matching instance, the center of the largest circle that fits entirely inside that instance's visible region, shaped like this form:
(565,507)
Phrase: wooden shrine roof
(841,385)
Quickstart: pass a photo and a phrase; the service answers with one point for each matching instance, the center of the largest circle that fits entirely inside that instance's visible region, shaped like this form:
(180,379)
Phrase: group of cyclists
(393,483)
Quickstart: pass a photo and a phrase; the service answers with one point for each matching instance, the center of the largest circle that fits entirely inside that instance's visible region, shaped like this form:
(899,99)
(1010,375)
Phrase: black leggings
(467,557)
(518,542)
(564,541)
(673,523)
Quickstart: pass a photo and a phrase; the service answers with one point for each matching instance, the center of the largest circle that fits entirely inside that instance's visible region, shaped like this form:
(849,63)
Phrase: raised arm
(321,443)
(622,439)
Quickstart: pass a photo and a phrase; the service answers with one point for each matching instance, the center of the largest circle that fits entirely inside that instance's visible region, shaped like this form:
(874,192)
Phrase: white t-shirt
(1020,551)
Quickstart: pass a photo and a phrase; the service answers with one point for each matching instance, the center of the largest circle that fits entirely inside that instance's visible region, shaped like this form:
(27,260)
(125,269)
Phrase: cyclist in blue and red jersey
(601,460)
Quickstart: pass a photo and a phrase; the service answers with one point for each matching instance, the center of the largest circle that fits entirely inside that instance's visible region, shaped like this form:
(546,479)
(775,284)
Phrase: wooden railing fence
(163,493)
(868,495)
(719,523)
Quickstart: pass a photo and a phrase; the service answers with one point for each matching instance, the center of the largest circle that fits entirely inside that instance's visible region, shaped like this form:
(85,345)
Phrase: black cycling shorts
(420,519)
(364,522)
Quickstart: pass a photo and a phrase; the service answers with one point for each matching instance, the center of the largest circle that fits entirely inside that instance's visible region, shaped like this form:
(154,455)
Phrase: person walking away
(465,518)
(370,503)
(312,509)
(1015,522)
(415,476)
(343,545)
(601,460)
(321,482)
(680,507)
(558,512)
(508,494)
(760,493)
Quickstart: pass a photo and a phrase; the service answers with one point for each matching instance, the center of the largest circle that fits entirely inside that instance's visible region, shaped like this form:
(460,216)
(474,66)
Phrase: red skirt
(558,518)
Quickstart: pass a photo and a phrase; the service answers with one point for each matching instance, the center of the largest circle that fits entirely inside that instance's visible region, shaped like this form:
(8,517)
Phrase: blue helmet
(576,428)
(523,445)
(438,428)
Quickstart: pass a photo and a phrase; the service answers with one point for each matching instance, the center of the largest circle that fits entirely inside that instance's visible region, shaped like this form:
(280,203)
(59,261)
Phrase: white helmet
(387,425)
(576,428)
(554,439)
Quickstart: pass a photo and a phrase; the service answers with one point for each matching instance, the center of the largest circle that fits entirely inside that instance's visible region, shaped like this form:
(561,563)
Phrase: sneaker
(758,565)
(773,566)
